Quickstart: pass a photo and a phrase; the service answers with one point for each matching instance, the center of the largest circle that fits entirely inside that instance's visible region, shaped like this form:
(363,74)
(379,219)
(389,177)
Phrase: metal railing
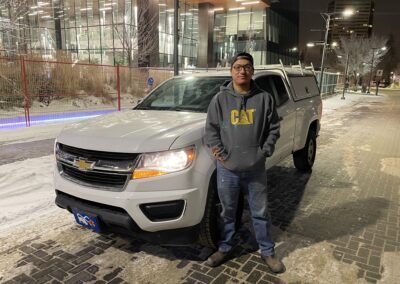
(331,84)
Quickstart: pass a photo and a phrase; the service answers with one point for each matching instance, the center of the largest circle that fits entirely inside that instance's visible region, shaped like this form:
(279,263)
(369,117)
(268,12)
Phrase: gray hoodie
(241,130)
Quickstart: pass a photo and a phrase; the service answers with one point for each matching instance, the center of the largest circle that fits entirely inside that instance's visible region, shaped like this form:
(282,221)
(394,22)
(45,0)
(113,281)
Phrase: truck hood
(133,131)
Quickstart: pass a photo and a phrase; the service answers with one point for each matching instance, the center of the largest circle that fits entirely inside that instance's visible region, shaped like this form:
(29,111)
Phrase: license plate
(86,220)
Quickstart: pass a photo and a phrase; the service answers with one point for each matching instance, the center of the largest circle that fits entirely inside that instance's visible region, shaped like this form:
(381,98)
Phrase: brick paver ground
(343,218)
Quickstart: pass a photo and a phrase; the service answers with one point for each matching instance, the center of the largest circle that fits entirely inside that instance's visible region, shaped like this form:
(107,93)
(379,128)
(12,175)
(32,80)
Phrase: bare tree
(12,27)
(137,37)
(364,54)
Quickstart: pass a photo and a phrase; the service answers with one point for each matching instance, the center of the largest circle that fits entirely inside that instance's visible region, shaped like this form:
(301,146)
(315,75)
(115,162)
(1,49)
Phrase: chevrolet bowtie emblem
(83,165)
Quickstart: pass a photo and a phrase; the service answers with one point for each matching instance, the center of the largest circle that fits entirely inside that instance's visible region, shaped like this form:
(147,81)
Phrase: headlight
(161,163)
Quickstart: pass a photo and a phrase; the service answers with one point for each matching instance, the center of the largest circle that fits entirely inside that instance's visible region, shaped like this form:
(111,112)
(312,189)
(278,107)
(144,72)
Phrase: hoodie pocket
(244,158)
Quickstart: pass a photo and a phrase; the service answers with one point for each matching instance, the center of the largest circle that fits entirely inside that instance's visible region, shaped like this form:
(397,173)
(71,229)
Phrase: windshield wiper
(142,107)
(194,109)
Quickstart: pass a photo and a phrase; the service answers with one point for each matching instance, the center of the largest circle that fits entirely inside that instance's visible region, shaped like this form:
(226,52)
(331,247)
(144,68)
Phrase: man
(241,130)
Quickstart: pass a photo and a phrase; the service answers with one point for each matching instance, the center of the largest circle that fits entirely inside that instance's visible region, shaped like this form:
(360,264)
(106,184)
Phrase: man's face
(242,72)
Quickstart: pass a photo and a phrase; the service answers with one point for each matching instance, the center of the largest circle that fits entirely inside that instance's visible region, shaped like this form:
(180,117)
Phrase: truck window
(282,95)
(304,87)
(184,94)
(265,84)
(274,85)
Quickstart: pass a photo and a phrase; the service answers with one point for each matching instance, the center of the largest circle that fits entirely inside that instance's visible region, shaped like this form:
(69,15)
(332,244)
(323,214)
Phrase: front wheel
(210,225)
(209,233)
(304,159)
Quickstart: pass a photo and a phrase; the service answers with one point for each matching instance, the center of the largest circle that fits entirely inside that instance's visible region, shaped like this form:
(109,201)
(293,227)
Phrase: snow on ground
(26,191)
(79,103)
(26,187)
(33,133)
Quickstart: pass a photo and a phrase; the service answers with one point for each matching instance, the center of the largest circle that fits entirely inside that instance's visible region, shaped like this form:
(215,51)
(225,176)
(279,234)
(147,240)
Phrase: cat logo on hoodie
(245,116)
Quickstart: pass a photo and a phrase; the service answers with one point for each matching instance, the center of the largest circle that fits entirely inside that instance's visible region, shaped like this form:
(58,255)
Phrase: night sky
(386,20)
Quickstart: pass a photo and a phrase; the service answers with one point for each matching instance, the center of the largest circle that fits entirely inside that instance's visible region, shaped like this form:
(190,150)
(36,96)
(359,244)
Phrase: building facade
(359,24)
(141,32)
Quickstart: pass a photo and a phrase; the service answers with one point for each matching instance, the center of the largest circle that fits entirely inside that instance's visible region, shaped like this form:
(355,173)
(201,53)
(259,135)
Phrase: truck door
(276,86)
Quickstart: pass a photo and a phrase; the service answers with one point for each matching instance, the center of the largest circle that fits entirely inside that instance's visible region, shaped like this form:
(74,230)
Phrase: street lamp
(327,18)
(372,65)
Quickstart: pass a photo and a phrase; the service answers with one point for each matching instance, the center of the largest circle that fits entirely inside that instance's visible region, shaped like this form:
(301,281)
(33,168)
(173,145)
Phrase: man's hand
(216,151)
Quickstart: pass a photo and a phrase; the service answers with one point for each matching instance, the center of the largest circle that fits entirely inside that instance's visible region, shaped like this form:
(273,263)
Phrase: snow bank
(26,191)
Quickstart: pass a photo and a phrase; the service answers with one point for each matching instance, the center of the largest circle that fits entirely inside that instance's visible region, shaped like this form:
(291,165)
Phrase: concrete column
(206,30)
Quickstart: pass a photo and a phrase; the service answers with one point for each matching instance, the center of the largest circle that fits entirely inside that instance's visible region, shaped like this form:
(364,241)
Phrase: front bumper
(115,219)
(149,202)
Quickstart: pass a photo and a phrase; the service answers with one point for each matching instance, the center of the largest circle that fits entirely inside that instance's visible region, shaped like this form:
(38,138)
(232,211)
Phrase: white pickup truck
(147,172)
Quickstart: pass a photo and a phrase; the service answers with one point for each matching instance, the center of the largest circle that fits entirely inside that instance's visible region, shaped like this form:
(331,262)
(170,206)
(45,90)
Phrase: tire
(304,159)
(209,227)
(209,233)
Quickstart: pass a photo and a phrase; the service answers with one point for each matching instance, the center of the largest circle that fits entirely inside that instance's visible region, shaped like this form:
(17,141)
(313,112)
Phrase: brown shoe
(217,258)
(274,263)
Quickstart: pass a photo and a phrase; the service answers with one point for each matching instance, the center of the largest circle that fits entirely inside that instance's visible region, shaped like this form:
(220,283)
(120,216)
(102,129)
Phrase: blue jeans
(254,184)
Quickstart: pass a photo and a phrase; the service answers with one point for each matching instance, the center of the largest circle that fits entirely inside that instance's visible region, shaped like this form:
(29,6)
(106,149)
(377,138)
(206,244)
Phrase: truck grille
(94,178)
(103,170)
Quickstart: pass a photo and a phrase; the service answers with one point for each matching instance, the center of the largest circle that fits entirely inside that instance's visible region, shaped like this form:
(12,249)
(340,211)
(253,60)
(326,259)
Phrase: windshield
(184,94)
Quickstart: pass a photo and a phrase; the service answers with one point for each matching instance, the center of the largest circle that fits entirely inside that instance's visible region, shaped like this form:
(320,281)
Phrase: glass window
(108,56)
(120,57)
(257,21)
(48,39)
(71,23)
(231,23)
(106,36)
(82,37)
(95,56)
(282,95)
(186,47)
(71,36)
(119,38)
(94,37)
(128,12)
(192,94)
(264,83)
(84,55)
(161,46)
(91,19)
(244,24)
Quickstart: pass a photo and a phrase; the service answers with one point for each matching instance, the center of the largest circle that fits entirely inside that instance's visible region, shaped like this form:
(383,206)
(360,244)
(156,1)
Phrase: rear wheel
(304,159)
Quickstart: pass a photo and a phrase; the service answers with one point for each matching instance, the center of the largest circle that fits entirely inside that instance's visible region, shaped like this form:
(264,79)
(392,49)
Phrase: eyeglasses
(247,67)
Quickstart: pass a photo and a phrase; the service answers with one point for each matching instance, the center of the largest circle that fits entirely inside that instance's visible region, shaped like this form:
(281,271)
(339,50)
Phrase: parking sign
(150,81)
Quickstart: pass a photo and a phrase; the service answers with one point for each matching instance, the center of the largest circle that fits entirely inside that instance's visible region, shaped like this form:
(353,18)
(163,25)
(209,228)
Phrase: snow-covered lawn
(26,187)
(67,104)
(26,191)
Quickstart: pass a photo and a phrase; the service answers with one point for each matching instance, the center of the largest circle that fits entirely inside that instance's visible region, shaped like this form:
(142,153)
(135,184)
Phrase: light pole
(176,37)
(372,65)
(327,18)
(345,76)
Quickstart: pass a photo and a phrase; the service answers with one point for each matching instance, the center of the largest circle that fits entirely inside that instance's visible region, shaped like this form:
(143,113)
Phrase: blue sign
(150,81)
